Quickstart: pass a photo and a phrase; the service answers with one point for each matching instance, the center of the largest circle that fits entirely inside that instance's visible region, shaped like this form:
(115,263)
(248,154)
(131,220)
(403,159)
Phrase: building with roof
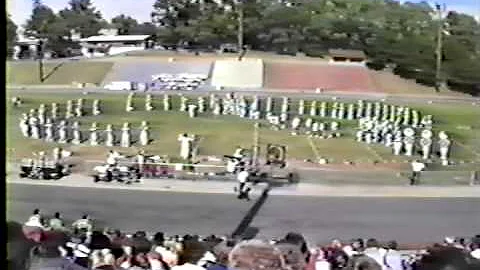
(347,56)
(104,45)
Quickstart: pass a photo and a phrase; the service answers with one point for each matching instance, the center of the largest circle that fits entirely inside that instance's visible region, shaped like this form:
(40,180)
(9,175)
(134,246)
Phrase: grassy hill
(60,73)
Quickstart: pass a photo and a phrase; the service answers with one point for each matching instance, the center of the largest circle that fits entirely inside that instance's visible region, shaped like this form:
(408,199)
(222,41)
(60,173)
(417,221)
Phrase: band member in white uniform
(243,188)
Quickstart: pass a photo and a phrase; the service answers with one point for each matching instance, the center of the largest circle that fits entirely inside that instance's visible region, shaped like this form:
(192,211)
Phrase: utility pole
(439,48)
(256,139)
(40,60)
(240,32)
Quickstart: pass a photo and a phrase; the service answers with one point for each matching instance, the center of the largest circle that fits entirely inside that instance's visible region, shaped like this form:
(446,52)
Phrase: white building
(99,46)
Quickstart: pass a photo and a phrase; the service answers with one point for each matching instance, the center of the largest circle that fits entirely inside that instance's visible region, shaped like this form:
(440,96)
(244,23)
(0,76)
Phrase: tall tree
(145,28)
(124,24)
(11,35)
(83,17)
(41,21)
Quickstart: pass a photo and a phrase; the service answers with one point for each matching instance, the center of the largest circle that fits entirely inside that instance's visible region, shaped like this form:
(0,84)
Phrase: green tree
(144,29)
(41,21)
(285,35)
(124,24)
(394,34)
(11,32)
(11,35)
(83,17)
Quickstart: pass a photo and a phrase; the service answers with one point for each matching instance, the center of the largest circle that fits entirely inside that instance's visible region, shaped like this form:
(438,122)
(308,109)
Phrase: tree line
(401,37)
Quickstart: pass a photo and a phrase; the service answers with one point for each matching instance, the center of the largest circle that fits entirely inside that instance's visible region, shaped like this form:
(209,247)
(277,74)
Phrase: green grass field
(60,73)
(220,135)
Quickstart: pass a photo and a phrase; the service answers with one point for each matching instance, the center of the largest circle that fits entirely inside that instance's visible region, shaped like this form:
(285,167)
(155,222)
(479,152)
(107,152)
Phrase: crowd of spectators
(84,247)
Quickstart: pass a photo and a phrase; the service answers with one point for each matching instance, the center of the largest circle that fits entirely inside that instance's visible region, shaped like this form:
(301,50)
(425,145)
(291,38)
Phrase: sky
(20,10)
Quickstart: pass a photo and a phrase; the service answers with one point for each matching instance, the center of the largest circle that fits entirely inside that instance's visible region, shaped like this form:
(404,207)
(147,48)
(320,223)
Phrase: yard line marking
(314,148)
(161,163)
(468,148)
(374,152)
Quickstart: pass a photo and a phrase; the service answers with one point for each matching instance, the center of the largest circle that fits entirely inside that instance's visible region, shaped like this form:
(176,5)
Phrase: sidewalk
(224,187)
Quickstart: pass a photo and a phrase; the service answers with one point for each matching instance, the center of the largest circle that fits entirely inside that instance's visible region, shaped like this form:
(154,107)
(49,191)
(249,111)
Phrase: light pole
(439,48)
(40,60)
(240,32)
(256,143)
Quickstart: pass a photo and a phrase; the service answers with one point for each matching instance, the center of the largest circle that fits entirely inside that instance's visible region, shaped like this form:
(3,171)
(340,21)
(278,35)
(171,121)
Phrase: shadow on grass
(54,69)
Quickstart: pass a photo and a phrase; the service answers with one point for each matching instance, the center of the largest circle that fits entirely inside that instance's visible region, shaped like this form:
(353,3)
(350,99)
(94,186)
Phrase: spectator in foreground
(374,251)
(475,247)
(318,260)
(447,258)
(56,223)
(393,259)
(84,224)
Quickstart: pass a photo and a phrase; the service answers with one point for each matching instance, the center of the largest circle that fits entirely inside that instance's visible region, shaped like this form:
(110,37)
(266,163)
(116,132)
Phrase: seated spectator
(393,259)
(362,262)
(447,258)
(318,260)
(84,224)
(358,245)
(256,254)
(96,259)
(140,242)
(158,239)
(35,220)
(207,260)
(102,258)
(81,252)
(141,260)
(221,261)
(156,261)
(97,240)
(374,251)
(187,266)
(33,229)
(116,243)
(475,250)
(56,223)
(36,213)
(169,256)
(126,260)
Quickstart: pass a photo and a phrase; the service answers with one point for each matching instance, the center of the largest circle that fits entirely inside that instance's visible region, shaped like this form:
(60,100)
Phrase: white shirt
(394,260)
(82,224)
(242,177)
(376,254)
(295,122)
(476,253)
(140,159)
(231,164)
(80,250)
(111,160)
(34,221)
(418,166)
(322,265)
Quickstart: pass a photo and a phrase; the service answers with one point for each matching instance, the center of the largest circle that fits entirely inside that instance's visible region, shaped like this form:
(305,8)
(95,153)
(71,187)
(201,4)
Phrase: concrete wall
(247,73)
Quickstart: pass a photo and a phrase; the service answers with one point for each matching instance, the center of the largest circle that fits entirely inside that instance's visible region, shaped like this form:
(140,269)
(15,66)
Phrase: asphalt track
(408,220)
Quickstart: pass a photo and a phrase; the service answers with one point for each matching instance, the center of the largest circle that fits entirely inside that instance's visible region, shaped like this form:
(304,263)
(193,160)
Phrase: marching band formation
(393,126)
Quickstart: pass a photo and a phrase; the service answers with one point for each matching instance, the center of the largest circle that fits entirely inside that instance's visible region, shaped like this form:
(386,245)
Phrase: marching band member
(140,161)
